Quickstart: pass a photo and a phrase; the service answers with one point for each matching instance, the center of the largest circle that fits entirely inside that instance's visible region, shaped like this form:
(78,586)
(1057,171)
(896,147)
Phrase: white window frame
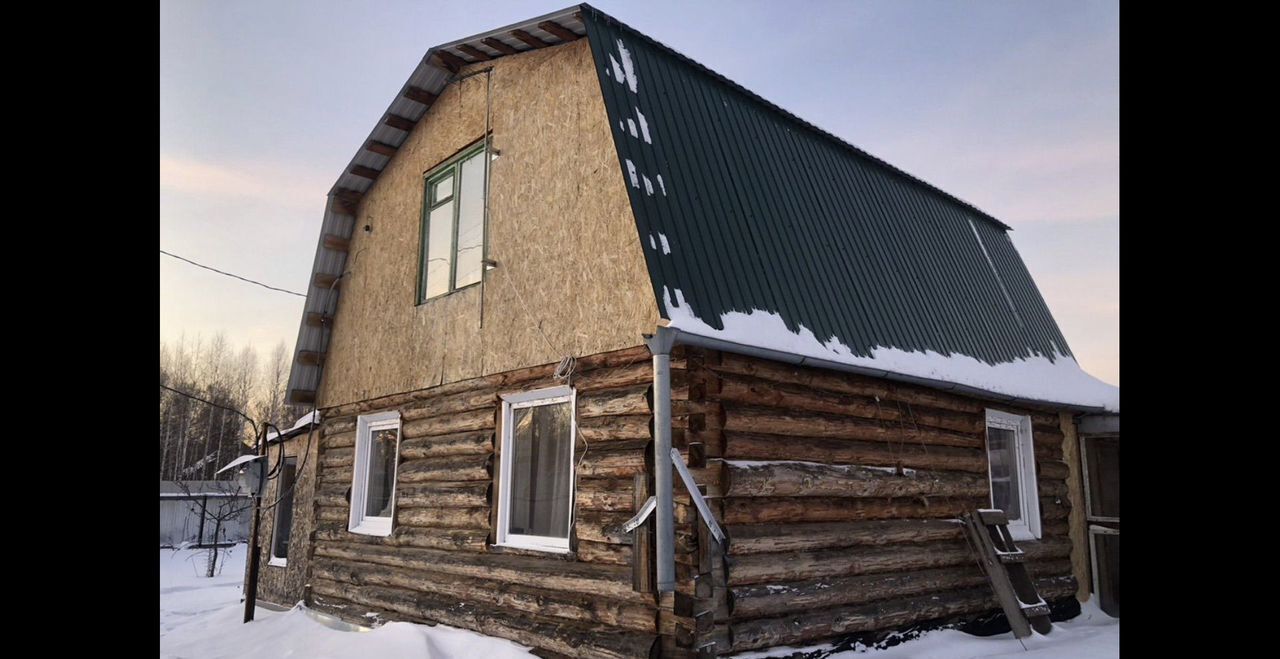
(282,561)
(1028,526)
(1088,488)
(1095,531)
(366,424)
(510,403)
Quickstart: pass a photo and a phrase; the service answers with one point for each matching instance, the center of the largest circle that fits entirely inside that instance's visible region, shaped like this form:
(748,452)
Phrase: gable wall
(560,227)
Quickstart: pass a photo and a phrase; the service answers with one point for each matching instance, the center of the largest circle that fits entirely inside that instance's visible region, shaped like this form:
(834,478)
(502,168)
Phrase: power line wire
(200,265)
(209,402)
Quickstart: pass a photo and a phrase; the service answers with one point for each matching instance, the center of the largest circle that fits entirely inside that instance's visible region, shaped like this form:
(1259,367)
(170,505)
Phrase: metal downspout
(660,344)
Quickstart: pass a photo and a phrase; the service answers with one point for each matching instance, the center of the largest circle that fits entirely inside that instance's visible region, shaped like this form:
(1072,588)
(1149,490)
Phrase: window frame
(358,521)
(274,560)
(1028,527)
(1089,515)
(510,403)
(450,167)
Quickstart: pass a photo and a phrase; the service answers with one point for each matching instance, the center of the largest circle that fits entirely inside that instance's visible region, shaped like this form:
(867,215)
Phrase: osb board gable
(560,227)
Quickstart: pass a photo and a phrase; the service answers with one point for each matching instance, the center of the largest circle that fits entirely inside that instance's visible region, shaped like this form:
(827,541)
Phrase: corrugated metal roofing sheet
(756,209)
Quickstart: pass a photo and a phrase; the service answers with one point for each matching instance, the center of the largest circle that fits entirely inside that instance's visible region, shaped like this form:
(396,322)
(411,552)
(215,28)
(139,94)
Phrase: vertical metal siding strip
(727,209)
(764,216)
(716,292)
(805,208)
(697,243)
(852,192)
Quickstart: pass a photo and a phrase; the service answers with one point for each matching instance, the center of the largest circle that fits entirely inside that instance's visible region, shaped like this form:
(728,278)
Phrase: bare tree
(216,505)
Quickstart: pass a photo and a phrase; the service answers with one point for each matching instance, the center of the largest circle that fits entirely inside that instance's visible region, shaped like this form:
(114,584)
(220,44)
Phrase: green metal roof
(743,206)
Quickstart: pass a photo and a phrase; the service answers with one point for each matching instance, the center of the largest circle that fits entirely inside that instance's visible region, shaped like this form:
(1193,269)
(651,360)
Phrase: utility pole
(251,584)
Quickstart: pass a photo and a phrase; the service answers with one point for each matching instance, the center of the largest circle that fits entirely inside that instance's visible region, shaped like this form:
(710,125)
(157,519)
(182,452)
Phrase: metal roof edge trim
(425,61)
(911,178)
(687,338)
(514,26)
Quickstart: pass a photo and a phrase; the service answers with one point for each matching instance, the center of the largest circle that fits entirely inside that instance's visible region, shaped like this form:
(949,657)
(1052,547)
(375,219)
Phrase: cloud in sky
(285,185)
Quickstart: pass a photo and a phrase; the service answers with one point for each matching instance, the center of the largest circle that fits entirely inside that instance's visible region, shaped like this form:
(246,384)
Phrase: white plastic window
(1012,468)
(373,479)
(536,477)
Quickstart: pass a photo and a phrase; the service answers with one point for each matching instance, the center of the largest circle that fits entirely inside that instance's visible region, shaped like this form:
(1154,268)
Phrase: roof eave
(686,338)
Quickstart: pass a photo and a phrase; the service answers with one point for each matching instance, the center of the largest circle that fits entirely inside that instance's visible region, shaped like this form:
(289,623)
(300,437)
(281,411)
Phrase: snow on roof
(302,422)
(1034,378)
(239,461)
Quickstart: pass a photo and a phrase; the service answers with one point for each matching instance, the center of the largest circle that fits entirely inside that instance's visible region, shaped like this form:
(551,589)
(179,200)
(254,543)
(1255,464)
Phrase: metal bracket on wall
(704,510)
(641,516)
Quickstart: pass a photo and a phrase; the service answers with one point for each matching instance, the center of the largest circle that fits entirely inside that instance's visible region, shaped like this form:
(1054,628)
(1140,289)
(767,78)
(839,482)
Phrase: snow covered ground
(1092,635)
(200,619)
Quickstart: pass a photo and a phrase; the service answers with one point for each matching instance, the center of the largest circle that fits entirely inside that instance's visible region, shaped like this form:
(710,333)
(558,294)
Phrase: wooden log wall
(839,494)
(439,564)
(286,585)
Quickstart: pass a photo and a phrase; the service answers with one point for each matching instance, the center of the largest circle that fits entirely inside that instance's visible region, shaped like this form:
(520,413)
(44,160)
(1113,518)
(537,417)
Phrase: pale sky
(1011,106)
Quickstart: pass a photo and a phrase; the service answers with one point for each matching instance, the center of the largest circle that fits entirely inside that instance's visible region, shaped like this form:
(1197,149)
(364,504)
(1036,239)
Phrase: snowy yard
(200,619)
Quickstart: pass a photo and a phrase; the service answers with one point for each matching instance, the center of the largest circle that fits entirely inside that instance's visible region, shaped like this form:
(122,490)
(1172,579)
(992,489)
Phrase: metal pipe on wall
(660,344)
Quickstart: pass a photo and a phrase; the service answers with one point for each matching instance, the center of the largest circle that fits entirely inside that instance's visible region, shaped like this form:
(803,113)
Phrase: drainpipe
(660,344)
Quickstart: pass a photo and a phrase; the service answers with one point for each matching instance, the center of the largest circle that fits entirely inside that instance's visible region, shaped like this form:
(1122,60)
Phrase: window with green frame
(453,225)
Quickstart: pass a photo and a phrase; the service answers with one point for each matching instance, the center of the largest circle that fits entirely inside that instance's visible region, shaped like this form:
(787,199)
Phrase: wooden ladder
(1006,570)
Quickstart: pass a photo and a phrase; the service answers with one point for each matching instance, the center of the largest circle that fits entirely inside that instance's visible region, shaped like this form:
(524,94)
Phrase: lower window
(284,513)
(373,478)
(1012,468)
(535,506)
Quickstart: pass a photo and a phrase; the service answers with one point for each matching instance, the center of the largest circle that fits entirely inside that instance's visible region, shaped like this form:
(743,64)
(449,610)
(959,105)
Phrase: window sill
(530,547)
(276,561)
(379,526)
(449,294)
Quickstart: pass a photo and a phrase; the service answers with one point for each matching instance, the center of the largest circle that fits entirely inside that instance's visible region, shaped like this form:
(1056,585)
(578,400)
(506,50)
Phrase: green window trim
(434,198)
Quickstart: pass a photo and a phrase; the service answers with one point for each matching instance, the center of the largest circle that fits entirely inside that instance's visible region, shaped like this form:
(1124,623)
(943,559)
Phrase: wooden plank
(757,446)
(336,243)
(802,566)
(326,281)
(420,95)
(559,30)
(310,357)
(449,61)
(748,390)
(475,53)
(775,599)
(529,39)
(764,510)
(367,172)
(500,46)
(342,207)
(813,424)
(997,576)
(526,599)
(803,479)
(403,123)
(642,566)
(563,638)
(790,537)
(381,148)
(317,319)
